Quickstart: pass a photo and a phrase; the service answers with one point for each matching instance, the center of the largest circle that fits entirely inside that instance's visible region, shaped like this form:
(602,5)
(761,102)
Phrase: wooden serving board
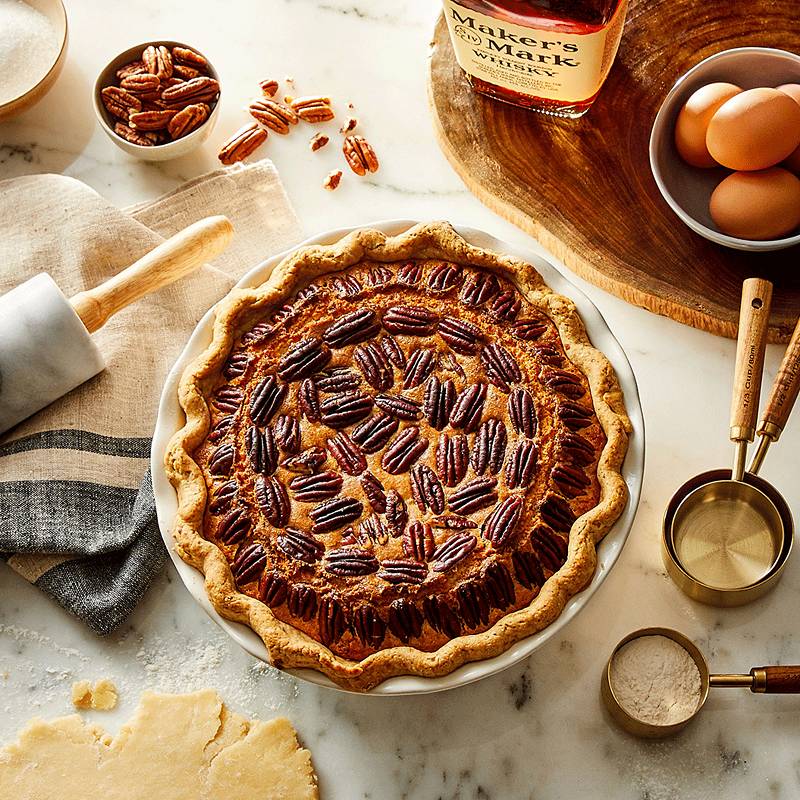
(583,187)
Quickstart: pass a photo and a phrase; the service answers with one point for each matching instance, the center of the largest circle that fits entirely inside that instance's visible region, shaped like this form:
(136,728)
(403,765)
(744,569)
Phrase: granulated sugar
(656,681)
(28,47)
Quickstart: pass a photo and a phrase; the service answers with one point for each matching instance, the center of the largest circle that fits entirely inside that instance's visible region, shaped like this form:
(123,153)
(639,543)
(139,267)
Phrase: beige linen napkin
(76,510)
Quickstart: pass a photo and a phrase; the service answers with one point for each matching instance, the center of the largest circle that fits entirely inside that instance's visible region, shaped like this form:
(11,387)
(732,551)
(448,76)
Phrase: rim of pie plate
(171,418)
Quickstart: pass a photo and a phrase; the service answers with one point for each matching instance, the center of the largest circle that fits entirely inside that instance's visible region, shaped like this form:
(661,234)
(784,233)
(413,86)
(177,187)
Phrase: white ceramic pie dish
(170,419)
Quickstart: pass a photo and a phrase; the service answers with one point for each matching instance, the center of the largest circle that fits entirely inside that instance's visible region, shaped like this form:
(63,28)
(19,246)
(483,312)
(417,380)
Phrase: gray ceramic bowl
(688,189)
(159,152)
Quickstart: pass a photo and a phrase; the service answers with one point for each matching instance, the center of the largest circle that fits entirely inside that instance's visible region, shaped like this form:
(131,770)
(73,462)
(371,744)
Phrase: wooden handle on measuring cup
(784,390)
(750,346)
(776,680)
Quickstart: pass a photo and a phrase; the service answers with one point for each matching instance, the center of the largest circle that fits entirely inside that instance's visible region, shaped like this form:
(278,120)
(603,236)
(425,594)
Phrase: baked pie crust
(399,454)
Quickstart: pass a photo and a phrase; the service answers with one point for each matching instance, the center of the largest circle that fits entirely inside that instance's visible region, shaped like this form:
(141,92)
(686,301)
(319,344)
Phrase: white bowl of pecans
(158,100)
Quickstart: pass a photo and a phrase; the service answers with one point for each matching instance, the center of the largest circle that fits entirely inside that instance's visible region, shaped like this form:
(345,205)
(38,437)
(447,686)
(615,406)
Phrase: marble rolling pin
(46,348)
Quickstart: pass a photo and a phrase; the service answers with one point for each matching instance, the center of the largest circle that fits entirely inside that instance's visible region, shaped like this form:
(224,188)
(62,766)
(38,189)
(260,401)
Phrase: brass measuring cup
(727,534)
(760,680)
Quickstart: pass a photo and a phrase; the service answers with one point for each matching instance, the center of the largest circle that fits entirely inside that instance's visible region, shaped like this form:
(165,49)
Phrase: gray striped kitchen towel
(77,515)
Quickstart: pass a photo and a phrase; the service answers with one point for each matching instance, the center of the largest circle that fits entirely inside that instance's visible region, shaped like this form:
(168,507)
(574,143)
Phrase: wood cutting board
(583,188)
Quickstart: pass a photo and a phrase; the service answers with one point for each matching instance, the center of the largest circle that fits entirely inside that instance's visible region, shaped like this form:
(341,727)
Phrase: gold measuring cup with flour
(728,534)
(657,681)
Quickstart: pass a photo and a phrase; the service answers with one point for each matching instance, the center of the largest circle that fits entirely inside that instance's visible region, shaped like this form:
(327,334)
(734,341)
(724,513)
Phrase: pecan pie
(399,454)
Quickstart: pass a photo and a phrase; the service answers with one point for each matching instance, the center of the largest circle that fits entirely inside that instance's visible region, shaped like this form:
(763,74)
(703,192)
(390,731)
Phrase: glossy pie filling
(397,456)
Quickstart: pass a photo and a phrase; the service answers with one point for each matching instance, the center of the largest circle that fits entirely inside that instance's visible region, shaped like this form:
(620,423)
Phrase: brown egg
(757,205)
(693,119)
(754,129)
(793,161)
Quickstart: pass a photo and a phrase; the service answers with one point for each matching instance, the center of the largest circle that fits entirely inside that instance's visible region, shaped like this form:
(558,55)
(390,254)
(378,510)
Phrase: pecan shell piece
(273,500)
(405,620)
(489,448)
(499,527)
(249,563)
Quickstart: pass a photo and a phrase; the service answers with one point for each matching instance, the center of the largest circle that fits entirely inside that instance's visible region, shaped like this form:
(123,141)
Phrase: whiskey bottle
(550,56)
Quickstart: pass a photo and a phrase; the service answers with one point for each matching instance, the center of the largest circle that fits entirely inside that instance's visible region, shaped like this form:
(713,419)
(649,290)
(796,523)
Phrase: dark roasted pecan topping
(262,450)
(258,333)
(234,526)
(506,305)
(316,487)
(521,465)
(527,569)
(410,320)
(418,541)
(374,366)
(452,458)
(448,363)
(308,292)
(273,500)
(439,400)
(300,545)
(546,354)
(306,462)
(220,430)
(575,449)
(468,408)
(373,489)
(302,602)
(454,522)
(352,328)
(373,433)
(478,288)
(332,621)
(373,530)
(404,450)
(550,547)
(308,397)
(462,336)
(266,399)
(426,489)
(528,329)
(564,383)
(472,496)
(346,286)
(499,526)
(409,273)
(249,562)
(347,453)
(571,481)
(489,448)
(401,571)
(221,460)
(452,551)
(368,626)
(236,365)
(441,616)
(473,603)
(350,562)
(444,276)
(557,514)
(345,409)
(378,276)
(499,585)
(287,433)
(398,406)
(304,359)
(334,514)
(228,398)
(418,367)
(223,497)
(337,379)
(396,512)
(393,351)
(574,416)
(405,620)
(273,589)
(500,366)
(522,412)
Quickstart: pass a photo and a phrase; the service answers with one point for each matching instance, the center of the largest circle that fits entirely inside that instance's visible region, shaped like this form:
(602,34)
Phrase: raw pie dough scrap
(103,697)
(181,747)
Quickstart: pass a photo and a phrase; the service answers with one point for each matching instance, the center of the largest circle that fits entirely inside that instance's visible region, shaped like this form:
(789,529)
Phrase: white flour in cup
(28,47)
(655,680)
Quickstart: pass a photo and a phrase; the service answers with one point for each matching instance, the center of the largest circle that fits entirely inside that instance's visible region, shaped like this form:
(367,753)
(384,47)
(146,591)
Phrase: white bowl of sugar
(33,46)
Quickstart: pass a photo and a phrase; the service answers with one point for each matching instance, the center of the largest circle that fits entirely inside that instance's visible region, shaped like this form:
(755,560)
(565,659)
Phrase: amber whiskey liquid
(550,56)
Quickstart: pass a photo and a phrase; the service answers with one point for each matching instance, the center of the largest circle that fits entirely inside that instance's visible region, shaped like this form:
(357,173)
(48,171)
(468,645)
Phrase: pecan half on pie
(399,454)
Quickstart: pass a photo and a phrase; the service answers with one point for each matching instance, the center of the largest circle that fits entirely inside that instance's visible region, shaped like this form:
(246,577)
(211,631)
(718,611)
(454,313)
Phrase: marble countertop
(536,730)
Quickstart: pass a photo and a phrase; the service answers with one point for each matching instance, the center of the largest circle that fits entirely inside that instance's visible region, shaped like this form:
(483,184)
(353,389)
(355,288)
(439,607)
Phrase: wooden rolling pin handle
(173,259)
(776,680)
(750,347)
(784,390)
